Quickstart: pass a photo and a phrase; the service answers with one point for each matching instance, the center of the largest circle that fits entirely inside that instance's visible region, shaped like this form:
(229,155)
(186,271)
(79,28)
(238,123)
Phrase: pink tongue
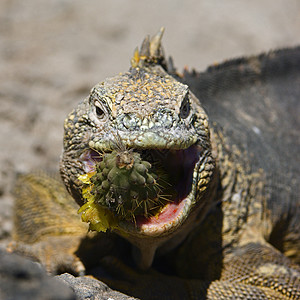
(168,214)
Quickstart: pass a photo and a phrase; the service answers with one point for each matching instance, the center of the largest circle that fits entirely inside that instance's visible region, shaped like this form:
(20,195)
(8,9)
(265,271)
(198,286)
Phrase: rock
(23,279)
(89,288)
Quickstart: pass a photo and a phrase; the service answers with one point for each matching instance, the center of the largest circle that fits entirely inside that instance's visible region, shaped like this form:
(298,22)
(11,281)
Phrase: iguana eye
(99,110)
(185,107)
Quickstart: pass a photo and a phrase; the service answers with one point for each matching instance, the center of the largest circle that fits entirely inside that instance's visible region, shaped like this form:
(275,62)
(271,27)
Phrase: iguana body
(231,230)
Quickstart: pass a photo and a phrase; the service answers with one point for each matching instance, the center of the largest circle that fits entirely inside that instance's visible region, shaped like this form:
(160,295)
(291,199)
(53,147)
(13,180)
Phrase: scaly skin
(149,111)
(214,242)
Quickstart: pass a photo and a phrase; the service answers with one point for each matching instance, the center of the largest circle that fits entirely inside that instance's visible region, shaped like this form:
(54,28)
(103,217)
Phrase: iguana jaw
(168,228)
(186,163)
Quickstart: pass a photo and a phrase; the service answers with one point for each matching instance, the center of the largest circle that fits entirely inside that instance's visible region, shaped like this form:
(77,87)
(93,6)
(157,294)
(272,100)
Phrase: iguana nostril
(131,121)
(167,120)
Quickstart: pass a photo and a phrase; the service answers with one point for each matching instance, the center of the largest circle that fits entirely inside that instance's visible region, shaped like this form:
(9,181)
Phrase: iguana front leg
(47,227)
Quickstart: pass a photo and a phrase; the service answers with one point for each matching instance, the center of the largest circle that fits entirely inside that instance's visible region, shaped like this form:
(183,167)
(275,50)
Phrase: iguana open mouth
(178,167)
(168,198)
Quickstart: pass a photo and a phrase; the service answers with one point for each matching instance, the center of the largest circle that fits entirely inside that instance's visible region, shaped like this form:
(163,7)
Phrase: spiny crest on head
(150,52)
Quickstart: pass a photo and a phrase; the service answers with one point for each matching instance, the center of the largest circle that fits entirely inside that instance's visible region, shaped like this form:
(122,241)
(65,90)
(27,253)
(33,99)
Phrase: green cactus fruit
(127,185)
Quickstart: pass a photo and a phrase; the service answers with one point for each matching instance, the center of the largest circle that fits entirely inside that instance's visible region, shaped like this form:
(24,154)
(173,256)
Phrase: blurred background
(53,52)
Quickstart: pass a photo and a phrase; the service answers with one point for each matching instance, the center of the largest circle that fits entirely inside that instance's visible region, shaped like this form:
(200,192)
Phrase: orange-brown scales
(141,92)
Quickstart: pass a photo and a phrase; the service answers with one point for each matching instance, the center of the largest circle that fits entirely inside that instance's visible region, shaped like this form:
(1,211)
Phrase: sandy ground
(53,52)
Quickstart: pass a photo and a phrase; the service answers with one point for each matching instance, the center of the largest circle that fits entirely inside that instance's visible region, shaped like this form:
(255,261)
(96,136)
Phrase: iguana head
(149,118)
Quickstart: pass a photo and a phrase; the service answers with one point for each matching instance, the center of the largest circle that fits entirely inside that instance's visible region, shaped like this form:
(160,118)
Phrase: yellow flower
(98,217)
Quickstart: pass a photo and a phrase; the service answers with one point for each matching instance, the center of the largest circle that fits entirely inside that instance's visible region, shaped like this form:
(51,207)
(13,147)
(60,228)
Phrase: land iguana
(178,206)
